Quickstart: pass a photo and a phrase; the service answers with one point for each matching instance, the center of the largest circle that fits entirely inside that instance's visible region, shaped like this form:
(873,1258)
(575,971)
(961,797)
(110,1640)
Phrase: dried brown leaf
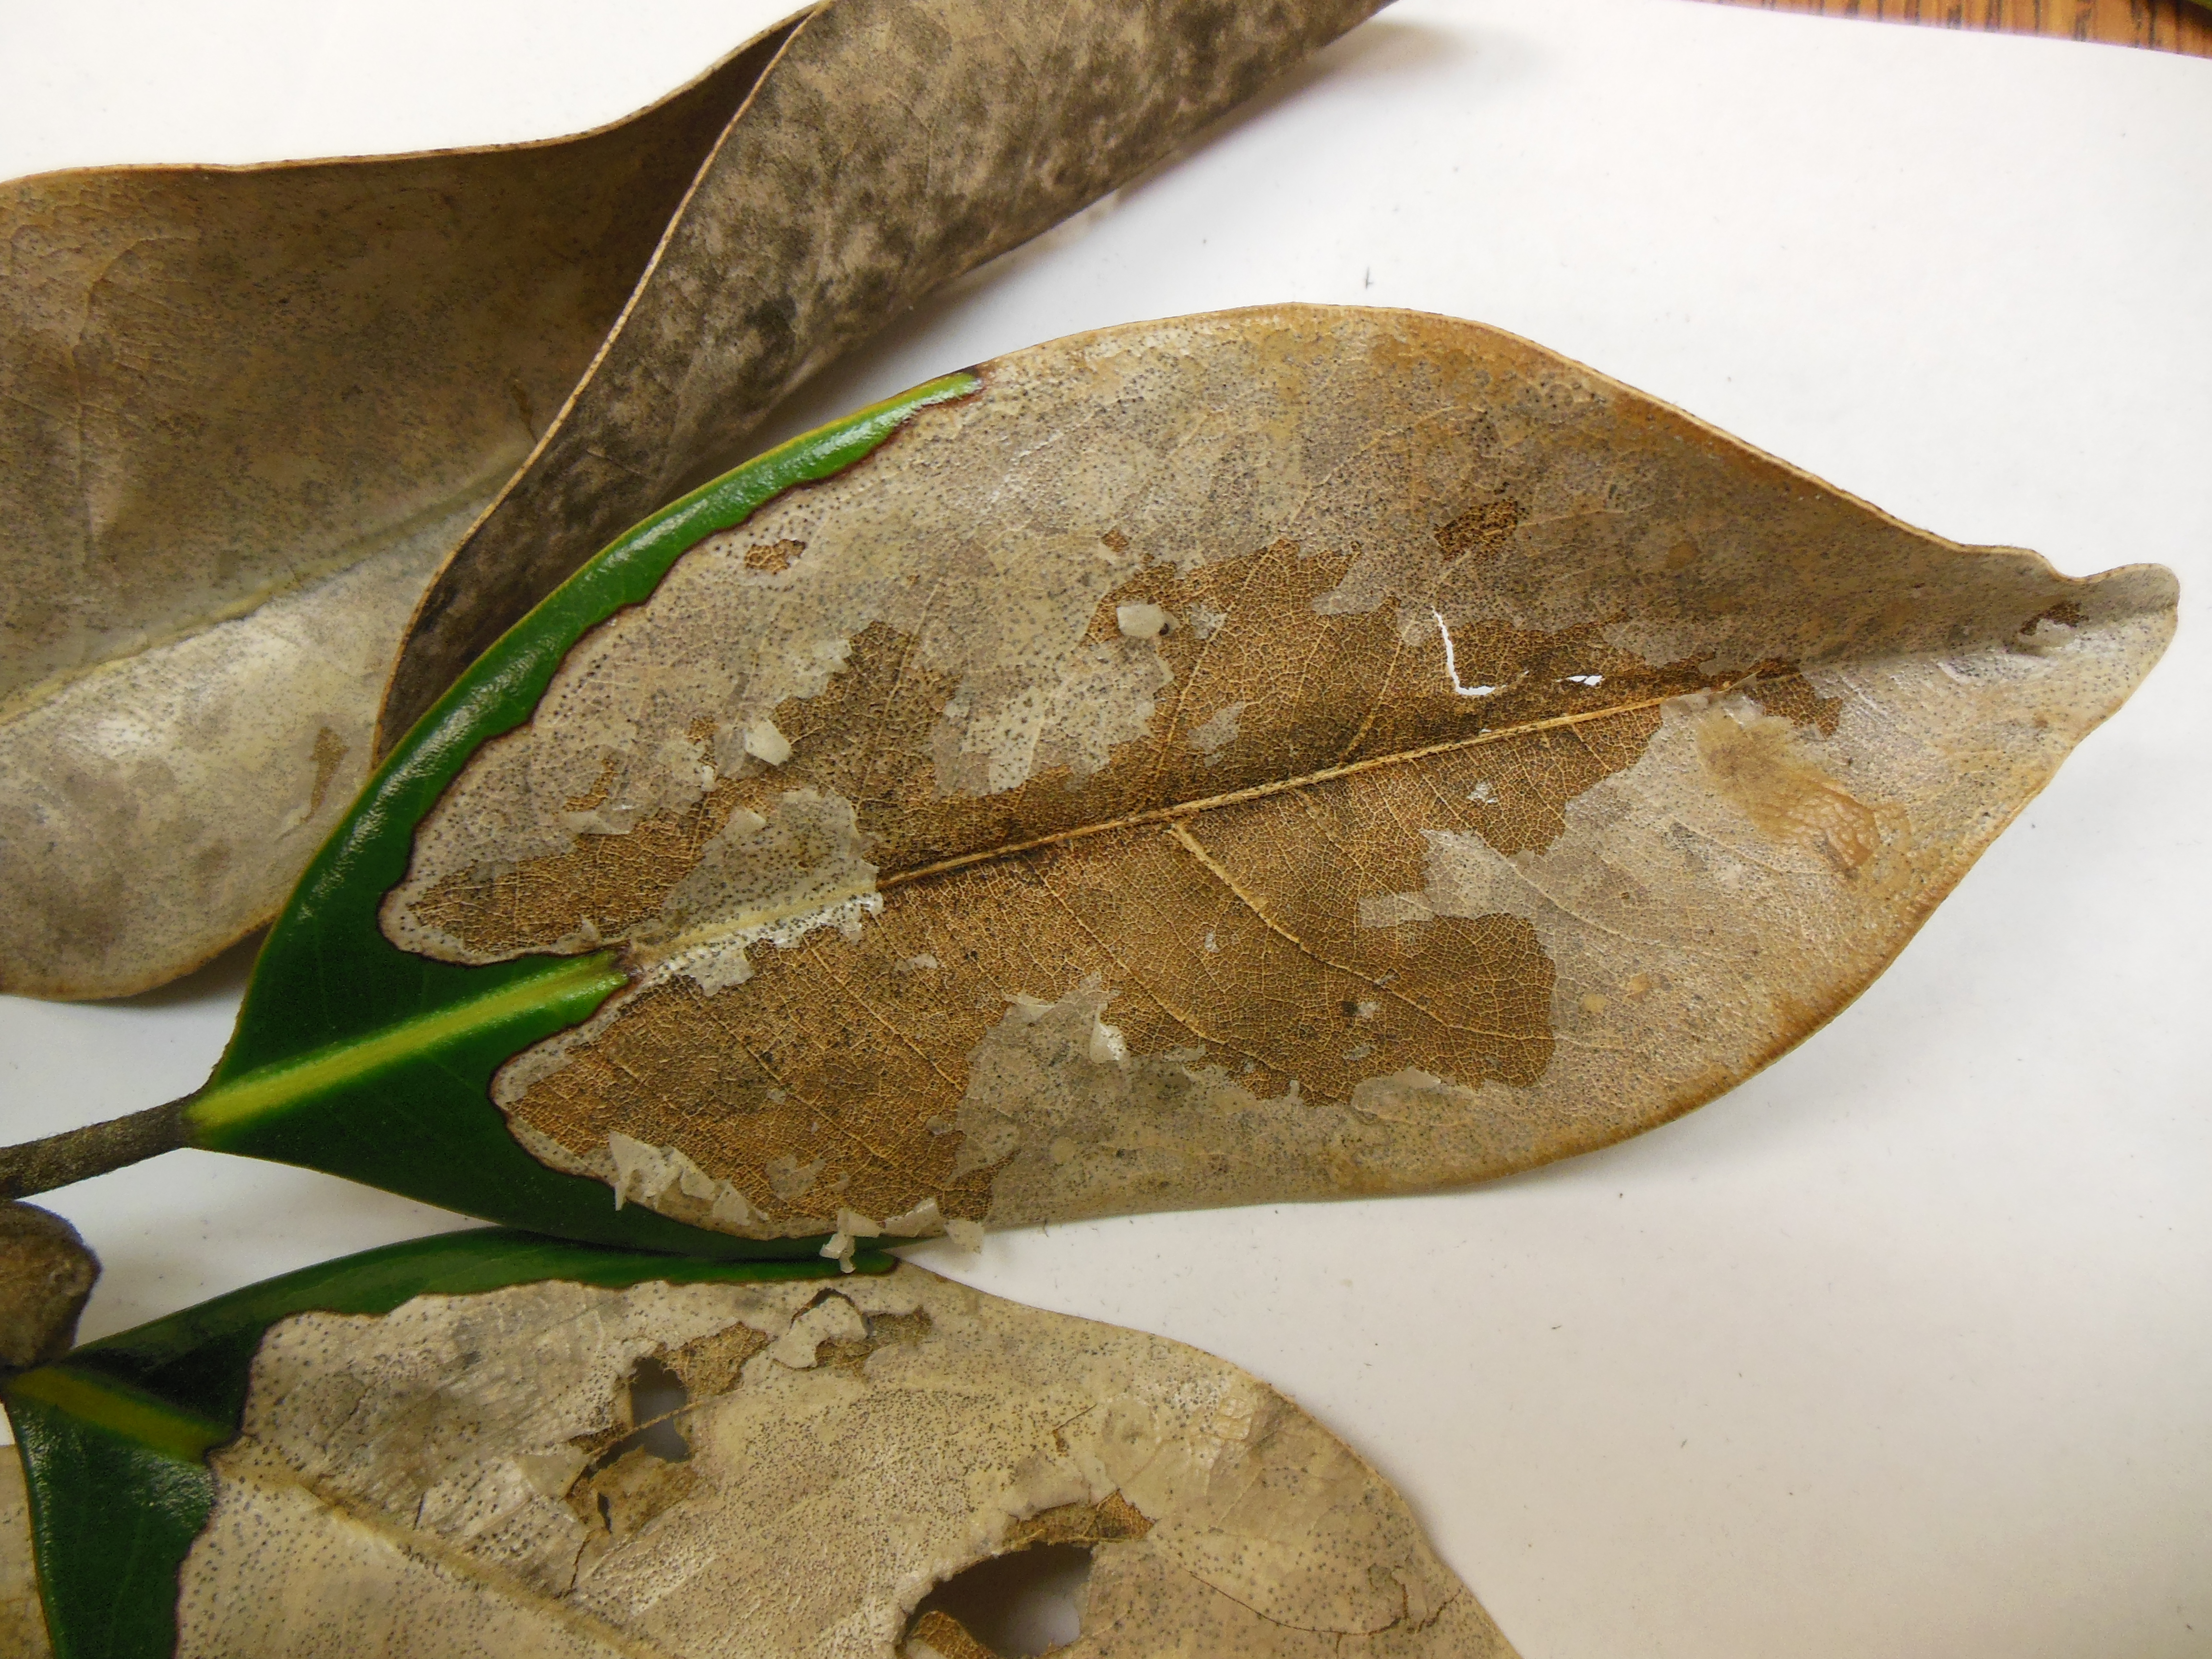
(1285,753)
(248,414)
(432,1483)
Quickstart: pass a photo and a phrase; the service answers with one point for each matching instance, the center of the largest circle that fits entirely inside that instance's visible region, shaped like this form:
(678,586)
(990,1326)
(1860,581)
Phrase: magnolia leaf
(624,1466)
(248,414)
(1274,755)
(114,1438)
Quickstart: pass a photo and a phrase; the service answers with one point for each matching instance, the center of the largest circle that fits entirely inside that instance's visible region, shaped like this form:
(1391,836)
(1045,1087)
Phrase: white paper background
(1905,1347)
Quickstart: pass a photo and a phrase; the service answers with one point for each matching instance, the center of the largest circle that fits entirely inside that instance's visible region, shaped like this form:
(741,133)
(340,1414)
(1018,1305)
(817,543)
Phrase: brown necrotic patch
(1205,941)
(1483,529)
(939,1635)
(602,786)
(866,738)
(773,557)
(1211,892)
(607,883)
(1777,688)
(1112,1520)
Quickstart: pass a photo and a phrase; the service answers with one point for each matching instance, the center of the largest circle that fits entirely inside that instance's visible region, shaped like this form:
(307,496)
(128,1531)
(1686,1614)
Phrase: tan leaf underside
(433,1483)
(244,413)
(1291,752)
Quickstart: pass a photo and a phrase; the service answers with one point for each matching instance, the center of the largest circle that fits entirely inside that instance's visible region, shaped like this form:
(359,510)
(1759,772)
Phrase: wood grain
(2179,25)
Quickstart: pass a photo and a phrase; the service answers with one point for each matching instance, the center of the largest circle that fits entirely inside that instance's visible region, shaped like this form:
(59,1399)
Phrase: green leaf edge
(113,1438)
(356,1058)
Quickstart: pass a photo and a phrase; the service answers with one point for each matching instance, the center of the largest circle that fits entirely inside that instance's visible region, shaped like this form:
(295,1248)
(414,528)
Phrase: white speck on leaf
(1141,621)
(1451,664)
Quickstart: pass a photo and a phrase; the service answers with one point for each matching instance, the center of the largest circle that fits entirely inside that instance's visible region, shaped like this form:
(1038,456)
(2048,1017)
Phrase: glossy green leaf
(113,1439)
(354,1057)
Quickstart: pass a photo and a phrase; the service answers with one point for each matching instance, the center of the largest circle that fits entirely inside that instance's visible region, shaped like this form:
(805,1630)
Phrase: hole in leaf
(655,1395)
(1018,1605)
(631,1479)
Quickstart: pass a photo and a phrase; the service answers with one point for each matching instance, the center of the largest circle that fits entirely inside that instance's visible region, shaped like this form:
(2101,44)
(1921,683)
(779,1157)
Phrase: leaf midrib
(129,1413)
(1190,809)
(271,1088)
(272,1472)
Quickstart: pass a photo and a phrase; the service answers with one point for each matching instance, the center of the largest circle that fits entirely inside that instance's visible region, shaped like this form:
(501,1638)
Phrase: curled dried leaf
(470,1475)
(245,413)
(248,414)
(1283,753)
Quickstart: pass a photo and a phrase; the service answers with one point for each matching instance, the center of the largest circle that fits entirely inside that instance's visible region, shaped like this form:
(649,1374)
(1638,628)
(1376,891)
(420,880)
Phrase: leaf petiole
(75,1155)
(571,988)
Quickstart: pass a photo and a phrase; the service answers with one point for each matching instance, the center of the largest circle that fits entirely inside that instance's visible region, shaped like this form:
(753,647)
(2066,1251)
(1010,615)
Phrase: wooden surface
(2167,25)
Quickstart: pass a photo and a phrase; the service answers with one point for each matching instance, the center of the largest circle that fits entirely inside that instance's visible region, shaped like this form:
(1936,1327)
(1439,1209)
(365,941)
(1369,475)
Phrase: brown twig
(40,1166)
